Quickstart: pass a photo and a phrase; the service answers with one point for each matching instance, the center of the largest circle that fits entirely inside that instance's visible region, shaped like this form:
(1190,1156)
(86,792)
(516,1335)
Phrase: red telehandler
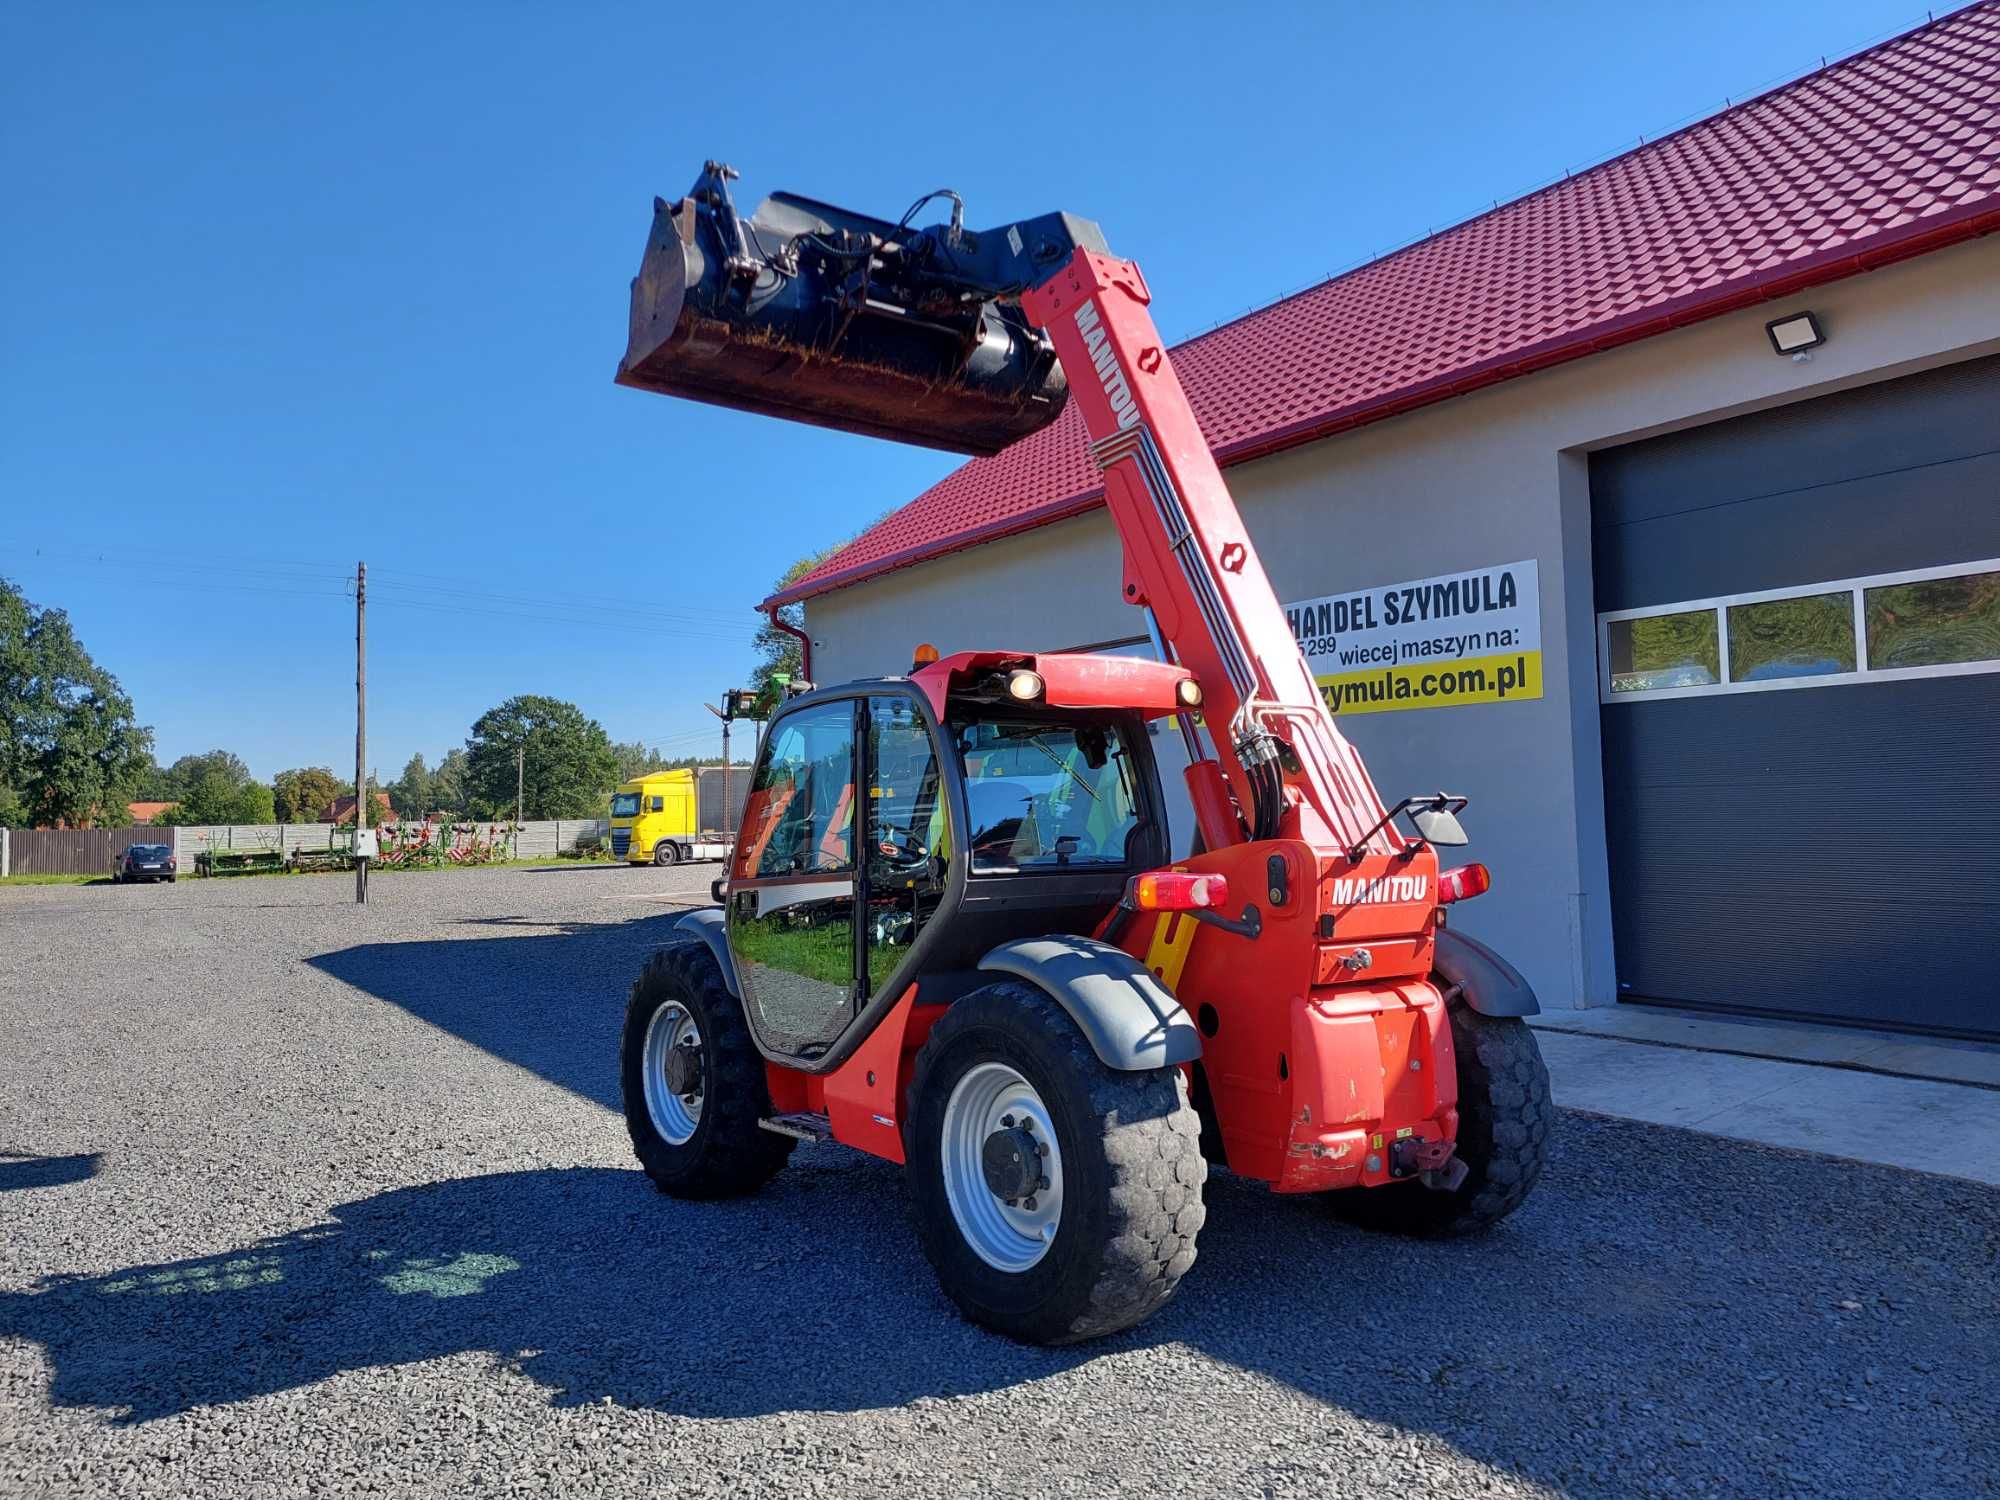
(951,934)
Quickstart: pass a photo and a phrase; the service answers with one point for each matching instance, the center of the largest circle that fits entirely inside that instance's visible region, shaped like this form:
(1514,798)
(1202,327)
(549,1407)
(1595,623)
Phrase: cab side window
(908,847)
(800,815)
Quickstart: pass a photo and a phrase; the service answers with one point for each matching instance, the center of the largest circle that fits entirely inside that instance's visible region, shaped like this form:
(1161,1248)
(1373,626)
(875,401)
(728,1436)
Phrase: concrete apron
(1868,1096)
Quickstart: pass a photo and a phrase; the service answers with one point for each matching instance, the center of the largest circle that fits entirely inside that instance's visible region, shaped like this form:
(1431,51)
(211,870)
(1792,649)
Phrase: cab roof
(1070,679)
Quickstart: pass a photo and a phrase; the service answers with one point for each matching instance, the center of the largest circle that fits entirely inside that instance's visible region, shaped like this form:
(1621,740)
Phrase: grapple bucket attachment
(819,315)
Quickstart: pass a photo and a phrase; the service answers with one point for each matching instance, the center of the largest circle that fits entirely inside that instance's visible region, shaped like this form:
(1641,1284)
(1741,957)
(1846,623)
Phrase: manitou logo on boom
(1116,391)
(1380,891)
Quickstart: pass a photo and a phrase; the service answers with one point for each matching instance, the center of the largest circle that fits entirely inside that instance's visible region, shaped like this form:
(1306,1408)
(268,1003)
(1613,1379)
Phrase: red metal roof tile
(1887,154)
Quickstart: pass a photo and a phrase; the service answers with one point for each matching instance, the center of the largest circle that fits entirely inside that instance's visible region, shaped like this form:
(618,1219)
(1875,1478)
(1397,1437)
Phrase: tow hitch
(1436,1162)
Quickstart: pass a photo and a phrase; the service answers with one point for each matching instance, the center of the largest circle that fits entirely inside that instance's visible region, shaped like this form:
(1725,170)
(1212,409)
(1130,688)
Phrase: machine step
(801,1127)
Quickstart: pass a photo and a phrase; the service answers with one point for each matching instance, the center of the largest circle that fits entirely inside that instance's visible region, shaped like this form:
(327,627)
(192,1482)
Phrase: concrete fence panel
(92,851)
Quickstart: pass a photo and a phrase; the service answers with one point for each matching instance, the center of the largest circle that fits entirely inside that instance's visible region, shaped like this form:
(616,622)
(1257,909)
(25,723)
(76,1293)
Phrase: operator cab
(906,826)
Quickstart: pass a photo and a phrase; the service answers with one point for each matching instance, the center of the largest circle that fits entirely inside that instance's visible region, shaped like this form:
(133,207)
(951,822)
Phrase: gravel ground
(306,1199)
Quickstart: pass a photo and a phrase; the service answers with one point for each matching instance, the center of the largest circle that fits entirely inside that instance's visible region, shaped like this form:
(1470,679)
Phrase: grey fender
(1132,1021)
(1489,984)
(708,925)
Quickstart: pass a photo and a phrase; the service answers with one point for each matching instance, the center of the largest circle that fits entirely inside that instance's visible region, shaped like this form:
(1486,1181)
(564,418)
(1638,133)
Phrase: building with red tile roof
(1884,156)
(1657,511)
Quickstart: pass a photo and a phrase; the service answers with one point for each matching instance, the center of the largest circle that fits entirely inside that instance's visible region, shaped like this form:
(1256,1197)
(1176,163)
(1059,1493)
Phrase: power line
(711,627)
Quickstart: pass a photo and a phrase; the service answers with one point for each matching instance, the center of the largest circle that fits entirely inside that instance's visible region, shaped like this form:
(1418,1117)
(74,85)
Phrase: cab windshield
(624,804)
(1043,795)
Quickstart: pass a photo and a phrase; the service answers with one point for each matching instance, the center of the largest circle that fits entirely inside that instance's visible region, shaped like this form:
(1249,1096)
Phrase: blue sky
(283,287)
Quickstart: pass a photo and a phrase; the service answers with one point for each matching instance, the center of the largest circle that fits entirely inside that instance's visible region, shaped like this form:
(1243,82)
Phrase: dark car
(146,862)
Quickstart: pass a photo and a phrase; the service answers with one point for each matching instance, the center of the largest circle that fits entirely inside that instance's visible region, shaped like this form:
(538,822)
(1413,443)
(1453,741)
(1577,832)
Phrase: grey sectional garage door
(1799,641)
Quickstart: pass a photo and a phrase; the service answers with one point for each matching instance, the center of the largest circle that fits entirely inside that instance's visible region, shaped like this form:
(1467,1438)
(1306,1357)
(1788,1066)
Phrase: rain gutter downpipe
(804,640)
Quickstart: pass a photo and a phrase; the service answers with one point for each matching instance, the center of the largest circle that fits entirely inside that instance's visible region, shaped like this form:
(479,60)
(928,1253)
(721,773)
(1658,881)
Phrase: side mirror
(1438,825)
(1435,818)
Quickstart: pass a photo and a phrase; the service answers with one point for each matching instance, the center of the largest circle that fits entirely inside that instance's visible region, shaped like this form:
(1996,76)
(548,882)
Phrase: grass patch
(55,879)
(823,953)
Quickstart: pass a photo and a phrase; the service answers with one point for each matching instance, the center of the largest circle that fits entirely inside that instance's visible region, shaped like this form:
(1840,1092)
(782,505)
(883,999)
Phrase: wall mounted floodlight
(1796,334)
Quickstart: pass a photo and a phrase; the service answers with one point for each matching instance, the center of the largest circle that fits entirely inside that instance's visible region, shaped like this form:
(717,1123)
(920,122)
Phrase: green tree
(178,781)
(214,797)
(776,650)
(451,790)
(568,769)
(70,751)
(635,760)
(302,794)
(413,793)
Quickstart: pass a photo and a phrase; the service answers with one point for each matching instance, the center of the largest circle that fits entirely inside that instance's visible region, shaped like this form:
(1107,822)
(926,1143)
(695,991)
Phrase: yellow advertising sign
(1483,679)
(1460,638)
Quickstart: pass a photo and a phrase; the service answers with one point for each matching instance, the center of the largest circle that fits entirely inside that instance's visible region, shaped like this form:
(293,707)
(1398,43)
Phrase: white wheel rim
(674,1115)
(988,1098)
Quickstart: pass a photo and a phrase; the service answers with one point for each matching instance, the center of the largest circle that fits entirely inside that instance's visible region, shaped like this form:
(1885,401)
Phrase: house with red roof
(1657,511)
(341,809)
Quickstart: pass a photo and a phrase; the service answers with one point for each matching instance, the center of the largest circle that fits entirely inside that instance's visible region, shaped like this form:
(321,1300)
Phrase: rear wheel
(666,852)
(1056,1198)
(694,1083)
(1504,1119)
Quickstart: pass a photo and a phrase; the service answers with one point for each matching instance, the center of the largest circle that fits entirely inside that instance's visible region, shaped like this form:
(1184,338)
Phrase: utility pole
(727,804)
(360,730)
(520,782)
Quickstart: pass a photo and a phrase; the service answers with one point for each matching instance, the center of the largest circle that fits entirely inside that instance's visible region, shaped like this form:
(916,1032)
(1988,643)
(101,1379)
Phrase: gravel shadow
(1764,1315)
(550,1000)
(18,1171)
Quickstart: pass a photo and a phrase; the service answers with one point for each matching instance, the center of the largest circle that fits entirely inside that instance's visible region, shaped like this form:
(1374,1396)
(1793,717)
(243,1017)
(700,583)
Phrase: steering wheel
(900,845)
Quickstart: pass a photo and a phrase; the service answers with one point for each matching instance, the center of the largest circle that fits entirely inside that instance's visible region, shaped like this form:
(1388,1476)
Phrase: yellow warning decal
(1167,954)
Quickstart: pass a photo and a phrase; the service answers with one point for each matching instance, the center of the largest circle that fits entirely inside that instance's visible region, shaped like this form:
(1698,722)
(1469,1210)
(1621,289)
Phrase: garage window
(1664,651)
(1927,622)
(1934,623)
(1808,636)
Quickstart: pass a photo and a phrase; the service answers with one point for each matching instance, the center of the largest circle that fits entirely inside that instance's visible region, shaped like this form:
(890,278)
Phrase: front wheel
(665,853)
(1056,1198)
(694,1083)
(1504,1119)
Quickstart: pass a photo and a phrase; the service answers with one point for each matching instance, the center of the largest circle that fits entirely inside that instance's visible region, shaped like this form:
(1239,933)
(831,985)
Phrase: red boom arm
(1189,560)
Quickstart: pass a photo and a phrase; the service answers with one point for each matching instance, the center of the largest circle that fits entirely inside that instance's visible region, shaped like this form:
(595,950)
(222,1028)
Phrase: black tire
(1132,1170)
(1504,1121)
(728,1154)
(666,853)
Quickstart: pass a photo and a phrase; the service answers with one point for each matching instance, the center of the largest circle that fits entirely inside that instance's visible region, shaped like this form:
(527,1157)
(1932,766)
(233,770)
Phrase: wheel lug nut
(1011,1202)
(1042,1186)
(1041,1148)
(1006,1122)
(1028,1203)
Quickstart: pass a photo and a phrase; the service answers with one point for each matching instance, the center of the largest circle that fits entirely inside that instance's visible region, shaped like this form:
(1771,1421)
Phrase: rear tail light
(1463,883)
(1177,890)
(173,863)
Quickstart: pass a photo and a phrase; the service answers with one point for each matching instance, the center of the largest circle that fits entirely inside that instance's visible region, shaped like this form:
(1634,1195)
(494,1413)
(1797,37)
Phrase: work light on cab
(1025,685)
(1463,884)
(1189,692)
(1177,890)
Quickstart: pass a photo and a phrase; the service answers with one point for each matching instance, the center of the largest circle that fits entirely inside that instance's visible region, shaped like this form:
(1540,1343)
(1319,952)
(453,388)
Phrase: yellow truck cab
(660,818)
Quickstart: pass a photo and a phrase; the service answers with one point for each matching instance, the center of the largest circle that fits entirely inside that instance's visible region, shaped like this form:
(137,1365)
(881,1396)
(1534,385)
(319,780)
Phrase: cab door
(844,867)
(793,883)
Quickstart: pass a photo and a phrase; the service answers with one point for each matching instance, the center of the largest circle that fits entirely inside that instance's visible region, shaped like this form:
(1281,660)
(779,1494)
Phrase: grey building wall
(1492,477)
